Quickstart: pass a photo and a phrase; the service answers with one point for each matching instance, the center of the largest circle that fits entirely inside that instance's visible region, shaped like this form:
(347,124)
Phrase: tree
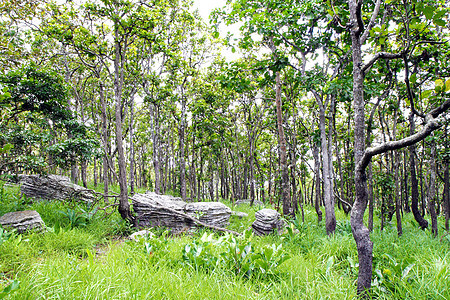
(33,110)
(359,34)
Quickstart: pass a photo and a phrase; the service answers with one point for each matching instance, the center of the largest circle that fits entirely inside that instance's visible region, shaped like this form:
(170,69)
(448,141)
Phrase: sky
(205,7)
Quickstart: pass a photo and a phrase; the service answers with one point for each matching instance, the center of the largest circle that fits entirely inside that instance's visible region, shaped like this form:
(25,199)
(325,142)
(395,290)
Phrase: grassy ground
(95,261)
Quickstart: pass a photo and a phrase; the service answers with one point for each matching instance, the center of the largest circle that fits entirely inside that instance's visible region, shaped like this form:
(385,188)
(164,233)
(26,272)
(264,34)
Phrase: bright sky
(205,7)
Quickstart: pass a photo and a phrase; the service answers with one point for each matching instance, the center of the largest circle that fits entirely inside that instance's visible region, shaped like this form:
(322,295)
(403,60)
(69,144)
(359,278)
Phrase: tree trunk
(414,184)
(124,205)
(182,149)
(360,232)
(398,203)
(432,191)
(317,182)
(156,146)
(285,192)
(132,164)
(104,140)
(446,200)
(330,218)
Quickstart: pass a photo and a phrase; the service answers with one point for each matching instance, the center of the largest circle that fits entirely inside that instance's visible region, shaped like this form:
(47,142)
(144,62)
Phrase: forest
(333,113)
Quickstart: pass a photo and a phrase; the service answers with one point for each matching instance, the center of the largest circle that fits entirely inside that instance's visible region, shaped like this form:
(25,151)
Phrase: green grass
(95,261)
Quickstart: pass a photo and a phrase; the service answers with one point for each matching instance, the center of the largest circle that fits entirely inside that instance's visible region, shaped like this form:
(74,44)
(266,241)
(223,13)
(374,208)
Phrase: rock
(54,187)
(22,220)
(211,213)
(239,214)
(151,211)
(247,201)
(267,221)
(143,233)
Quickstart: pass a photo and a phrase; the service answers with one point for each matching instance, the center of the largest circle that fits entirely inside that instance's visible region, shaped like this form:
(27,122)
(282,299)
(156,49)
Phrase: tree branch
(375,13)
(359,17)
(384,55)
(431,125)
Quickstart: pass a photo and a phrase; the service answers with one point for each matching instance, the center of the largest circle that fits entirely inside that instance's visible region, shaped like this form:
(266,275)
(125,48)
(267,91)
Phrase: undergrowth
(91,259)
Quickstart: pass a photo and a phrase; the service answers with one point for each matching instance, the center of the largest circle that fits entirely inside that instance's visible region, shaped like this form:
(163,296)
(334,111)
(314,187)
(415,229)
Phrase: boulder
(267,221)
(239,214)
(154,210)
(54,187)
(150,211)
(22,220)
(248,201)
(212,213)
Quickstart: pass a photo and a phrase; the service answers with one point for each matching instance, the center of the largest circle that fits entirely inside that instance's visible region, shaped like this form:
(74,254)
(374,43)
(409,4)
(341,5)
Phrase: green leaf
(447,85)
(10,288)
(428,12)
(330,263)
(438,85)
(406,271)
(426,94)
(413,78)
(439,22)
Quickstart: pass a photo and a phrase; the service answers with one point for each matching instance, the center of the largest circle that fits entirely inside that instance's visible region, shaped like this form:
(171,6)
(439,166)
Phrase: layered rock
(248,201)
(151,211)
(211,213)
(22,220)
(239,214)
(154,210)
(54,187)
(267,221)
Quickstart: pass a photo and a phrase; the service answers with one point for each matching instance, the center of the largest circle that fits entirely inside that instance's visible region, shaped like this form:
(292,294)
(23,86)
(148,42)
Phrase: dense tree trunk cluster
(335,105)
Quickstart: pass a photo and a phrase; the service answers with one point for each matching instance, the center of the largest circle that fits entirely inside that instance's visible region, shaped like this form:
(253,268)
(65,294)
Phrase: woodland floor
(97,261)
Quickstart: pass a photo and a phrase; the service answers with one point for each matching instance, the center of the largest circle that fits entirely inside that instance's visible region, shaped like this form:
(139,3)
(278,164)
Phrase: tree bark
(398,203)
(317,183)
(156,146)
(447,194)
(414,183)
(124,205)
(330,217)
(432,191)
(182,149)
(285,192)
(104,140)
(132,163)
(360,232)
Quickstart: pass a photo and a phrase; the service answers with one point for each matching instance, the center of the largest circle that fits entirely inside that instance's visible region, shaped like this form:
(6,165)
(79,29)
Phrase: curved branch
(379,55)
(431,125)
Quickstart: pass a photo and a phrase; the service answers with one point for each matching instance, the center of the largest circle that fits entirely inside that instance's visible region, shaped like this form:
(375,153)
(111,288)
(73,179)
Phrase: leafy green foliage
(4,235)
(35,112)
(76,219)
(393,276)
(236,254)
(11,288)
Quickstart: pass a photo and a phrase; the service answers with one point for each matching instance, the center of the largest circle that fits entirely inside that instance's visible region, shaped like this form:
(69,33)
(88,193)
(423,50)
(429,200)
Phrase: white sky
(205,7)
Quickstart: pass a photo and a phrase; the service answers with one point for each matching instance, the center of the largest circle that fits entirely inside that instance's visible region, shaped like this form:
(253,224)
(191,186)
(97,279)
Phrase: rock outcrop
(267,221)
(154,210)
(248,201)
(53,187)
(239,214)
(22,220)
